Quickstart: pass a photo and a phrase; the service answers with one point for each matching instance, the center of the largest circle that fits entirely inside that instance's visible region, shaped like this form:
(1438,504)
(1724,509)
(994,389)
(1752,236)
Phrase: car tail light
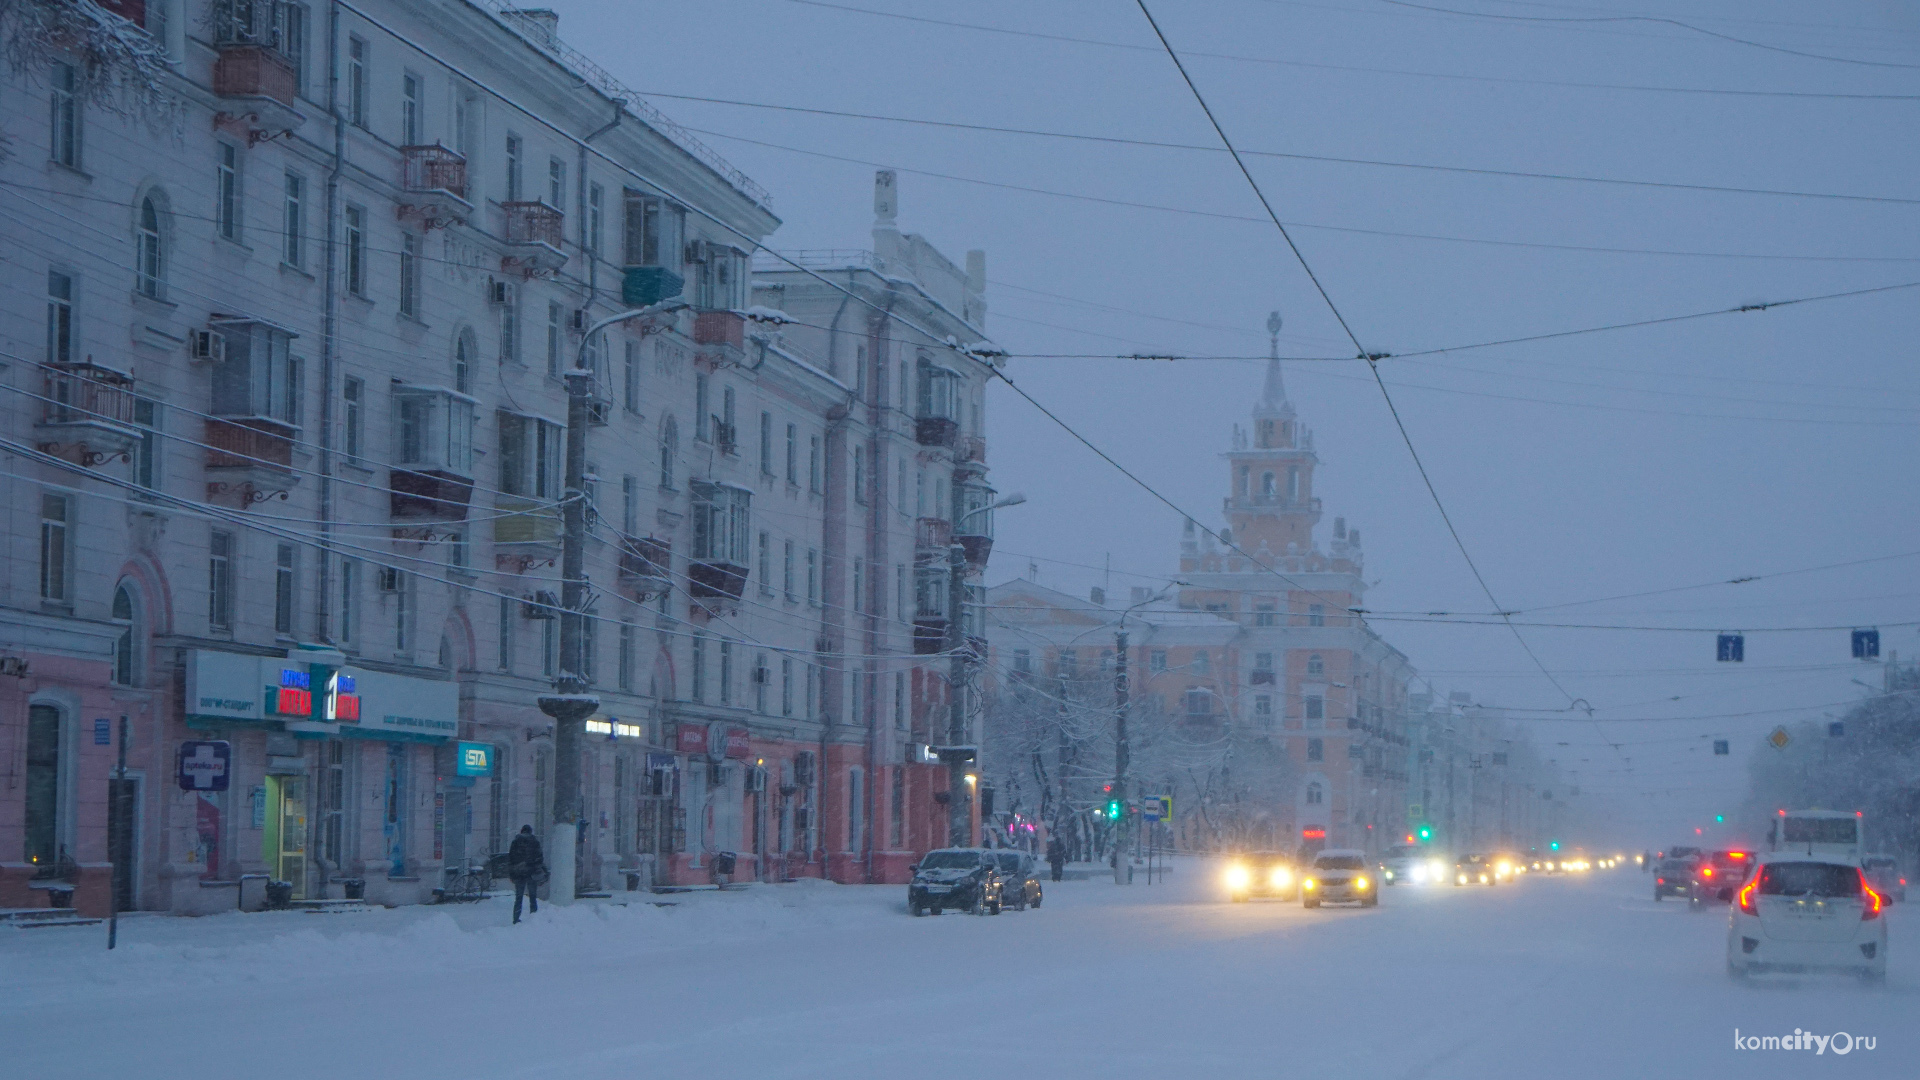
(1708,872)
(1659,881)
(1870,902)
(1747,904)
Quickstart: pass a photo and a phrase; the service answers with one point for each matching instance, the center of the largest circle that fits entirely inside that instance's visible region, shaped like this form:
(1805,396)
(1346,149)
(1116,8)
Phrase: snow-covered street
(1583,977)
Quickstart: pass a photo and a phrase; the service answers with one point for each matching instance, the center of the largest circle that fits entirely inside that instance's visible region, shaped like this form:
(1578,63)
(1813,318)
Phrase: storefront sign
(474,759)
(402,705)
(657,761)
(231,686)
(738,745)
(692,739)
(224,685)
(205,765)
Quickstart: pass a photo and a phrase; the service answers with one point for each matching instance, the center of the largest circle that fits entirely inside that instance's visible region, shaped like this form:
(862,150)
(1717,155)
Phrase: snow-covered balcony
(86,413)
(434,180)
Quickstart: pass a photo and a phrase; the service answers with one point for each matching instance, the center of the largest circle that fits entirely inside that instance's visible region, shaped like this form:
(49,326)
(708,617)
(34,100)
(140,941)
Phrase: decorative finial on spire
(1273,335)
(1273,396)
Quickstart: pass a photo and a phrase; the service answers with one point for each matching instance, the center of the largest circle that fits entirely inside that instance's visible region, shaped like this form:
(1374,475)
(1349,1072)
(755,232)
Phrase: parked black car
(1019,879)
(964,878)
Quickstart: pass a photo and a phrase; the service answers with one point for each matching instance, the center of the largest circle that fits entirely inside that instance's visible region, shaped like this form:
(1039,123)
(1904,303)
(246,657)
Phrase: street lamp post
(570,704)
(960,796)
(1122,748)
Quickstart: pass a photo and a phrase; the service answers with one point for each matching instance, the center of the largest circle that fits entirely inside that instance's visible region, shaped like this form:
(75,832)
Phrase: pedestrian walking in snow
(1056,857)
(526,865)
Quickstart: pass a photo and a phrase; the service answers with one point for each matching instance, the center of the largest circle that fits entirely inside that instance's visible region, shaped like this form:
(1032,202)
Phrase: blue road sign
(1866,644)
(1732,647)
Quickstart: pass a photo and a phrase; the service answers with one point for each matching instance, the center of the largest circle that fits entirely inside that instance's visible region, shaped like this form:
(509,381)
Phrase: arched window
(125,650)
(1315,665)
(1266,485)
(669,449)
(150,250)
(465,349)
(1316,794)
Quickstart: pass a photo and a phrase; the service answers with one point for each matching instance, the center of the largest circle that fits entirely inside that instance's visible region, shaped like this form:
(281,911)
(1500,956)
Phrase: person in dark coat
(524,863)
(1056,857)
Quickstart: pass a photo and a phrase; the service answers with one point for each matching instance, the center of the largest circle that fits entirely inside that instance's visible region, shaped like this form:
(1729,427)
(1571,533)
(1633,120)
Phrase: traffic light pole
(1122,757)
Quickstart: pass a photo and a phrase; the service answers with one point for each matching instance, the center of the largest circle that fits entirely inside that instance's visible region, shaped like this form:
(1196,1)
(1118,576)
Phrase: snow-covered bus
(1819,832)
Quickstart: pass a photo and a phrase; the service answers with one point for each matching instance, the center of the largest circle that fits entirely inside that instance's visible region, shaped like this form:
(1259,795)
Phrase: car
(1507,865)
(1398,862)
(1805,913)
(1679,852)
(1261,873)
(967,879)
(1337,876)
(1672,877)
(1883,873)
(1717,877)
(1019,879)
(1474,869)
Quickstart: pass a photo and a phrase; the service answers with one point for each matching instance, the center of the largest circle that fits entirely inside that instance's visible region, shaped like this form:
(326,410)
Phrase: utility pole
(1122,755)
(570,704)
(959,795)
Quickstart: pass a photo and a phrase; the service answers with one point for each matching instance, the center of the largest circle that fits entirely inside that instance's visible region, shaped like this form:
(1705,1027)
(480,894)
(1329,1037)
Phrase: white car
(1338,875)
(1801,912)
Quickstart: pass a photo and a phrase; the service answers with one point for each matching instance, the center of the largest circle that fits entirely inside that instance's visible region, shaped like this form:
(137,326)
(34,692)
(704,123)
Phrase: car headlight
(1309,883)
(1463,879)
(1238,877)
(1359,883)
(1506,868)
(1436,869)
(1281,879)
(1389,875)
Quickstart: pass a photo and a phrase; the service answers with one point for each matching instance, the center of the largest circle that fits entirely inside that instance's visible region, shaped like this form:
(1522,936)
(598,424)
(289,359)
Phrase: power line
(1722,629)
(1353,68)
(1372,162)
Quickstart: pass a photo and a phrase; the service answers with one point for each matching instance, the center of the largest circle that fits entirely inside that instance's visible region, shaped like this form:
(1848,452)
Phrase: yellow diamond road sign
(1779,738)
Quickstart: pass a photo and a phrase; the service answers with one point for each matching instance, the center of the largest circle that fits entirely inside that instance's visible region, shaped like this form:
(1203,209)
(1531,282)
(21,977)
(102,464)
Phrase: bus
(1819,832)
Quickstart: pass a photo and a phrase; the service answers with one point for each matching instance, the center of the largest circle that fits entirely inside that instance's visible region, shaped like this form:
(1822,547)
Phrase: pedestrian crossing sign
(1157,808)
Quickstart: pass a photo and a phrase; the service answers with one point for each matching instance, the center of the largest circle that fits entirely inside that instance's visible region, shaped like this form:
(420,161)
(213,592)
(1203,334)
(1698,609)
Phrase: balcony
(429,493)
(534,234)
(259,86)
(646,565)
(715,580)
(932,536)
(249,461)
(87,414)
(935,431)
(977,547)
(720,328)
(973,449)
(434,179)
(1260,677)
(929,634)
(527,532)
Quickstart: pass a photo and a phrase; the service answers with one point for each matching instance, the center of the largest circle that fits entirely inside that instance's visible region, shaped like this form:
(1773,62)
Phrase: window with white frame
(433,430)
(721,518)
(65,116)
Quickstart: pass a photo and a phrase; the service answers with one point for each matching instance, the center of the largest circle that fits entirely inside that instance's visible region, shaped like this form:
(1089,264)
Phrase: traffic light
(1113,809)
(1719,819)
(1426,833)
(1554,846)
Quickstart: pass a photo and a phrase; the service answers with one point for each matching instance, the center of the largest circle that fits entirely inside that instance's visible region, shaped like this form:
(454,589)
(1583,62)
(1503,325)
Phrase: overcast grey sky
(1587,467)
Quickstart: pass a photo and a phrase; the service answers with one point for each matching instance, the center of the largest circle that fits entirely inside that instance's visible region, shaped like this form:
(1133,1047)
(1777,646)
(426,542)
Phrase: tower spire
(1273,396)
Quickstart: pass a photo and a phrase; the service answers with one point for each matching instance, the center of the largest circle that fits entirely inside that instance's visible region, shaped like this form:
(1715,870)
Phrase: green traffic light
(1720,819)
(1555,846)
(1426,833)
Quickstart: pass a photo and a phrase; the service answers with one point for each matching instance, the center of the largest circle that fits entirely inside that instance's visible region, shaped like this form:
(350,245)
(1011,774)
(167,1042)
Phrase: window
(531,456)
(596,216)
(766,444)
(60,325)
(146,449)
(1264,615)
(56,548)
(1316,794)
(65,116)
(1263,710)
(1316,751)
(459,558)
(859,575)
(433,430)
(1202,663)
(410,275)
(697,669)
(45,794)
(123,643)
(1293,483)
(356,238)
(513,168)
(464,349)
(1315,706)
(508,614)
(630,397)
(220,557)
(556,337)
(702,401)
(284,558)
(900,487)
(463,110)
(150,255)
(1157,661)
(402,610)
(357,81)
(556,183)
(1315,665)
(1266,486)
(625,661)
(333,801)
(813,576)
(349,602)
(1263,661)
(409,109)
(630,505)
(720,279)
(227,191)
(856,809)
(720,522)
(1199,703)
(728,435)
(793,454)
(1316,615)
(258,378)
(293,223)
(726,671)
(766,564)
(352,392)
(900,610)
(860,475)
(786,686)
(669,450)
(786,572)
(813,464)
(654,230)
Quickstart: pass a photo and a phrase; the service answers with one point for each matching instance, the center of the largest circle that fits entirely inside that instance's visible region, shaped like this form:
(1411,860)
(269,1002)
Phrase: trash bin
(279,893)
(353,888)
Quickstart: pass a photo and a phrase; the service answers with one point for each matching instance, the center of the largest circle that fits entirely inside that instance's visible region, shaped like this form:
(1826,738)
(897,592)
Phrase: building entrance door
(285,842)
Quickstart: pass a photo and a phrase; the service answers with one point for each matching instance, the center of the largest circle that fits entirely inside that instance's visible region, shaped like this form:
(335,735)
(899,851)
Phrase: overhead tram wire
(1372,360)
(1190,211)
(1364,70)
(1116,140)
